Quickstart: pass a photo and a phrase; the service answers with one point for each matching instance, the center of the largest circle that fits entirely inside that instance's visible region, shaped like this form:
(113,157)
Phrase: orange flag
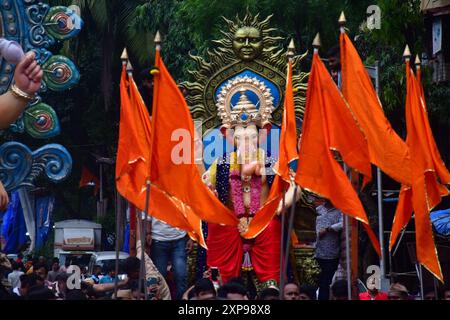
(386,149)
(132,165)
(173,169)
(427,191)
(88,177)
(328,126)
(288,139)
(287,154)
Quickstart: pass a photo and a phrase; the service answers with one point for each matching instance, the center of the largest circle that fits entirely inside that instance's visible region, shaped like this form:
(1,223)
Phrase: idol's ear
(228,134)
(264,133)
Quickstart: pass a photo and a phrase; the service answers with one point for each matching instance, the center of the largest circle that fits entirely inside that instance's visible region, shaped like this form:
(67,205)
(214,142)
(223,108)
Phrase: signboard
(78,239)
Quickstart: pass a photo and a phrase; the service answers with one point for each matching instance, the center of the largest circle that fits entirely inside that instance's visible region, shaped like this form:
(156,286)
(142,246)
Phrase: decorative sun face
(247,43)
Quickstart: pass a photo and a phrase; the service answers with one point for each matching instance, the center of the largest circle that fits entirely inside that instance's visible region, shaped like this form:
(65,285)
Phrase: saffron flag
(132,165)
(287,154)
(88,178)
(386,149)
(328,126)
(429,174)
(173,170)
(288,138)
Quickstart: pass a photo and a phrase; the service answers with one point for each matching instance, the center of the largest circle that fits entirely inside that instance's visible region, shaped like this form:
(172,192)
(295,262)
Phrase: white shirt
(14,278)
(164,232)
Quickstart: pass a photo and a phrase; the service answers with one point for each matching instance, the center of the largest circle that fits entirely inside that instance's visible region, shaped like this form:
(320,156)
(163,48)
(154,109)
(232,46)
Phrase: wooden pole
(288,240)
(118,218)
(283,222)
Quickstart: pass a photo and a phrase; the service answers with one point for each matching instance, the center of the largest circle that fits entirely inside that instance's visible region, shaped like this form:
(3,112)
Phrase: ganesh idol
(242,180)
(238,88)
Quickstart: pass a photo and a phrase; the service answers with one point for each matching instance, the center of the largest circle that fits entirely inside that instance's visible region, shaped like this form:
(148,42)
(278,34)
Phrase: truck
(77,240)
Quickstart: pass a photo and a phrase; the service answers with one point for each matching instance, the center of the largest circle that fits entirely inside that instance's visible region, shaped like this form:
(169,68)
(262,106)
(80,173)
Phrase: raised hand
(28,74)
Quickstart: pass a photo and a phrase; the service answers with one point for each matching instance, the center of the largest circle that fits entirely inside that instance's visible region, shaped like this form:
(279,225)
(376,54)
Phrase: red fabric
(265,254)
(226,251)
(378,296)
(87,177)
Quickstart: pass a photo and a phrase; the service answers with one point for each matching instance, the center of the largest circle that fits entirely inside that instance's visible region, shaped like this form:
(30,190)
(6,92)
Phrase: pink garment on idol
(11,51)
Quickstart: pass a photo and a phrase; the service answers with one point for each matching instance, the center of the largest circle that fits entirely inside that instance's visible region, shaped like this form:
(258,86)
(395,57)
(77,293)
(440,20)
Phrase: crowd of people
(37,279)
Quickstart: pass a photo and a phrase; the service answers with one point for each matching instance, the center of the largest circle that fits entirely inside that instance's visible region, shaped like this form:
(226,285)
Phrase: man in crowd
(66,266)
(373,294)
(170,244)
(398,292)
(27,281)
(204,290)
(233,291)
(41,271)
(334,63)
(291,292)
(269,294)
(339,290)
(329,224)
(446,292)
(307,292)
(96,273)
(110,275)
(14,276)
(55,270)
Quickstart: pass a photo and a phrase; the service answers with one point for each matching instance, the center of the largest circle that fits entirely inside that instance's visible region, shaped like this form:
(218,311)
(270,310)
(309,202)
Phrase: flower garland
(237,190)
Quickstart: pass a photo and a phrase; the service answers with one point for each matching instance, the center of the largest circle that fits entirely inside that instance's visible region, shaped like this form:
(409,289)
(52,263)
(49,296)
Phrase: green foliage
(47,249)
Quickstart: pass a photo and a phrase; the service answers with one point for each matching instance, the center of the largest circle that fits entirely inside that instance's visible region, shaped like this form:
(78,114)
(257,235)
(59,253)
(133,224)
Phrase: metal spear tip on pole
(418,62)
(291,49)
(317,43)
(407,53)
(124,56)
(157,40)
(342,22)
(129,69)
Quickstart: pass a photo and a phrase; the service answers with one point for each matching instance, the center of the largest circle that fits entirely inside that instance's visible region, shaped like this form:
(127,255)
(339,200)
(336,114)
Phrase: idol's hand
(28,74)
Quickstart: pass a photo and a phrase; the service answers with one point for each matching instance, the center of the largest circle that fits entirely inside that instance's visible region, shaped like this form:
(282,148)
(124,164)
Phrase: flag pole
(124,59)
(347,248)
(380,193)
(141,219)
(284,252)
(342,22)
(143,235)
(407,57)
(283,221)
(288,238)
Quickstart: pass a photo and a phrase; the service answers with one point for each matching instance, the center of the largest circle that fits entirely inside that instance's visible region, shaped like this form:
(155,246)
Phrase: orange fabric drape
(386,149)
(132,165)
(173,169)
(429,174)
(329,126)
(288,138)
(287,153)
